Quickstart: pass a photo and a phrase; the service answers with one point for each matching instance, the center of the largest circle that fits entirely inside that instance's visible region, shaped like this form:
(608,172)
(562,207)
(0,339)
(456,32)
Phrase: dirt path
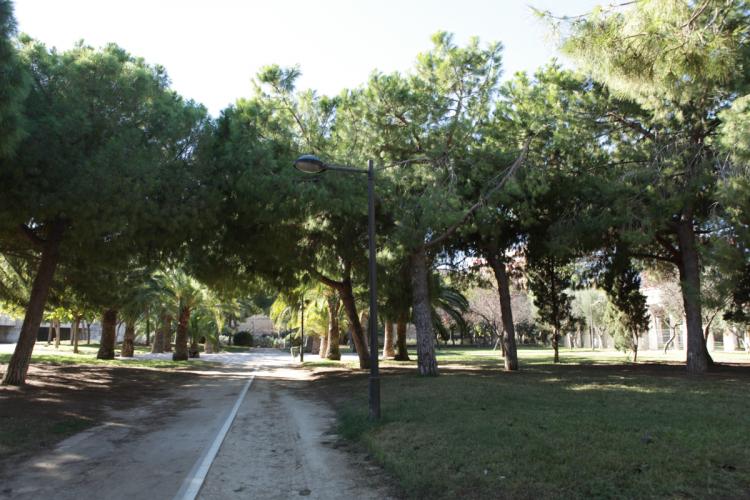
(280,444)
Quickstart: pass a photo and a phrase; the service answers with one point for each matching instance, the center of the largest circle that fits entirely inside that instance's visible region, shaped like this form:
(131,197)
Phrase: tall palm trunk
(128,341)
(334,304)
(323,347)
(76,333)
(402,354)
(388,340)
(56,326)
(157,346)
(194,351)
(109,335)
(180,344)
(426,360)
(509,332)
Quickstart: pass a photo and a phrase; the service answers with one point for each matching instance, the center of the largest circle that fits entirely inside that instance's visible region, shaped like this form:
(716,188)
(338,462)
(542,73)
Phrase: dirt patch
(59,401)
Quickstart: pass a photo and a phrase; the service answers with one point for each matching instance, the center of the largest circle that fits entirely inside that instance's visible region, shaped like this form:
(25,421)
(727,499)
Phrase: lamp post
(311,164)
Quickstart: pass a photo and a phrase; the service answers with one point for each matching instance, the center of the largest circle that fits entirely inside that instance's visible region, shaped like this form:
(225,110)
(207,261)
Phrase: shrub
(243,338)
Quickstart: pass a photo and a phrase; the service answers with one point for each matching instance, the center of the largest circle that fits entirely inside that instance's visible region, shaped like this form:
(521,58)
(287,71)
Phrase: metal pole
(374,385)
(302,334)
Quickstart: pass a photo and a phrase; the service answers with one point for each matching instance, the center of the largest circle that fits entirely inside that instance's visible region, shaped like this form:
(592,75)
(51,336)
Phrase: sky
(213,49)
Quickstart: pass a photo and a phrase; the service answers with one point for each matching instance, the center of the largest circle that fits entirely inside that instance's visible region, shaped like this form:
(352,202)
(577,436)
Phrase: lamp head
(310,164)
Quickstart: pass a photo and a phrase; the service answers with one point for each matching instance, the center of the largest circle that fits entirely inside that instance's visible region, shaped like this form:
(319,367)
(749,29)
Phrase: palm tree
(450,301)
(186,293)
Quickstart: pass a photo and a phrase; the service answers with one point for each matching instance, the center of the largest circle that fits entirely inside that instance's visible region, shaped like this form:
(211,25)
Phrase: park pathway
(280,445)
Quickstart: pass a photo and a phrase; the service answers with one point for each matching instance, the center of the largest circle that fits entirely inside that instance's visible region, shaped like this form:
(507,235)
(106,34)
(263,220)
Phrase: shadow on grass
(612,430)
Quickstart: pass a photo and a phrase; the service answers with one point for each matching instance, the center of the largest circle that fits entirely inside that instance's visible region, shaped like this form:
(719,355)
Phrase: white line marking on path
(193,483)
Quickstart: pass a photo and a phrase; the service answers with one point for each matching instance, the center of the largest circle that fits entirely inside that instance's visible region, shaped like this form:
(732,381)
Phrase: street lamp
(311,164)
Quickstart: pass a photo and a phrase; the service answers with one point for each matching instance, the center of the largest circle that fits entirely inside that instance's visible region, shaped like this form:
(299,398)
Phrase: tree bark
(157,346)
(690,284)
(109,335)
(556,346)
(18,365)
(148,327)
(56,325)
(402,354)
(50,333)
(88,333)
(334,305)
(323,347)
(388,340)
(422,312)
(350,307)
(128,341)
(194,351)
(180,343)
(75,334)
(509,332)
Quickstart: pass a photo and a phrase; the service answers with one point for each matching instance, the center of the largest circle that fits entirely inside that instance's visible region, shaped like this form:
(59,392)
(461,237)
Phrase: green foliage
(13,82)
(549,281)
(243,338)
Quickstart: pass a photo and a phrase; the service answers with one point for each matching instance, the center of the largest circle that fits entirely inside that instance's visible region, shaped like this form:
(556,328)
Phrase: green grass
(587,428)
(90,359)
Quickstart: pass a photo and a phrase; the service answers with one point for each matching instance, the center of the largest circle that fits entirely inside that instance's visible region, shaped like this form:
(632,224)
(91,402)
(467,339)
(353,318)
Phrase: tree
(13,81)
(674,67)
(430,115)
(622,282)
(102,126)
(549,279)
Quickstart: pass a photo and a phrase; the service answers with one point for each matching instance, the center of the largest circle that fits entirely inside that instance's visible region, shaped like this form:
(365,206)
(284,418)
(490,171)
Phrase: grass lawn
(87,356)
(592,426)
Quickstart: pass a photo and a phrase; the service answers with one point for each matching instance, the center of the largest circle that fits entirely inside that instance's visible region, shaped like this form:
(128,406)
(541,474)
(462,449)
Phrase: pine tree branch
(483,198)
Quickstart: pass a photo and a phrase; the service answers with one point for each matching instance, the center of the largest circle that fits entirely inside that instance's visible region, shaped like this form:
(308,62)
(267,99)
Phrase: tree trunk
(334,304)
(388,340)
(128,341)
(194,351)
(350,307)
(690,284)
(18,365)
(208,347)
(88,333)
(75,334)
(506,312)
(109,335)
(157,346)
(148,327)
(180,343)
(56,325)
(323,347)
(635,348)
(556,346)
(426,361)
(50,333)
(402,354)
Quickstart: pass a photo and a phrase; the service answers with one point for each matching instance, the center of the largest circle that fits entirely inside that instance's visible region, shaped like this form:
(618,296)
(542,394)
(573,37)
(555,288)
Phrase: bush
(243,338)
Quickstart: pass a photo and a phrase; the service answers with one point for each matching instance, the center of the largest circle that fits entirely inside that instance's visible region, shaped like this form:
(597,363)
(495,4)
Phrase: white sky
(212,49)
